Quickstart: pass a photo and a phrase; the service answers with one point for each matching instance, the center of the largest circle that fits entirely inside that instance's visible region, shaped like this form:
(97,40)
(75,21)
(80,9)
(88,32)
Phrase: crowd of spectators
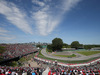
(83,70)
(54,69)
(4,70)
(15,50)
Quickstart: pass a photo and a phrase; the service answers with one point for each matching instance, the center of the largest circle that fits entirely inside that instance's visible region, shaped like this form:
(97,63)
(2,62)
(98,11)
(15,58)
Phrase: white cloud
(48,17)
(68,5)
(15,16)
(2,38)
(44,22)
(4,35)
(38,2)
(2,30)
(40,18)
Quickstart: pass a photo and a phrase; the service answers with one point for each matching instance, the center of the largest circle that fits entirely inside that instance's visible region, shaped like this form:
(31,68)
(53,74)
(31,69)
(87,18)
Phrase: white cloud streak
(15,16)
(2,30)
(3,38)
(4,35)
(38,2)
(47,20)
(69,4)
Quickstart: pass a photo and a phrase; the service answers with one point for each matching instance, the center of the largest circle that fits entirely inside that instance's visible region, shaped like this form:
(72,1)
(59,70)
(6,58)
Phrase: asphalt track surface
(77,58)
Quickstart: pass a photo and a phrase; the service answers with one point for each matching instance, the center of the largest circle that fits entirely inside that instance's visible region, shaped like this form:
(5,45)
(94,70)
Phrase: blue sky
(43,20)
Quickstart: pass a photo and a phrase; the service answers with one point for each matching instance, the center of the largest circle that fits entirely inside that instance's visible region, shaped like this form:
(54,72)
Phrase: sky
(23,21)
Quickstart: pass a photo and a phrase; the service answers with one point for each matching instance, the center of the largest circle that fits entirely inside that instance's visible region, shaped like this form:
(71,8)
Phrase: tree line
(57,44)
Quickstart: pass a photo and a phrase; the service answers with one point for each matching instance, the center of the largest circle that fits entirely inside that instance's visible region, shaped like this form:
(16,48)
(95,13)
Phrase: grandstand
(16,50)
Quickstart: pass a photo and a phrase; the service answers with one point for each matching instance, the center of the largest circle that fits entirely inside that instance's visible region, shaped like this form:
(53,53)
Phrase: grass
(48,50)
(14,64)
(63,61)
(73,55)
(87,53)
(26,58)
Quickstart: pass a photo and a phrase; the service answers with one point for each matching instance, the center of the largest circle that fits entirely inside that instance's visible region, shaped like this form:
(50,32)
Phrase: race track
(77,58)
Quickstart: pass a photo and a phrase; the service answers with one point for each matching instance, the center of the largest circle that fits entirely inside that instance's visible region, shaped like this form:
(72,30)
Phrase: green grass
(87,53)
(48,50)
(81,61)
(73,55)
(14,64)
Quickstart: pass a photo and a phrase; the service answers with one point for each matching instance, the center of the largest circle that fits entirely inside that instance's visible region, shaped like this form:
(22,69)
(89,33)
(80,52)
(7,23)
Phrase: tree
(88,46)
(65,45)
(69,46)
(39,46)
(49,46)
(57,44)
(75,44)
